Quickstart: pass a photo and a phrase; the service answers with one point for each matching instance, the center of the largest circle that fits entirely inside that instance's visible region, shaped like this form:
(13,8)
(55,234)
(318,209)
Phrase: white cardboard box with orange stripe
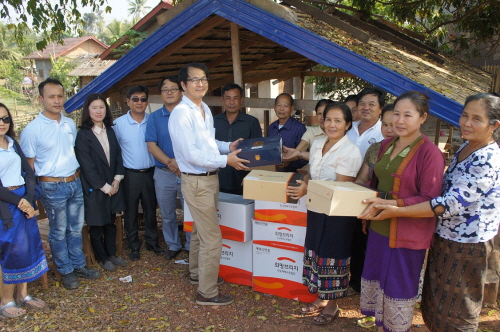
(235,216)
(236,262)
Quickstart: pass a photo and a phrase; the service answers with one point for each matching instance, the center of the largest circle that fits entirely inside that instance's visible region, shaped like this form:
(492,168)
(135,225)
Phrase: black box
(261,151)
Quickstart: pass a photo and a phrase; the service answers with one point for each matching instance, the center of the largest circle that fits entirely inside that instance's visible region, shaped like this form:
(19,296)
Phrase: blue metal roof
(278,30)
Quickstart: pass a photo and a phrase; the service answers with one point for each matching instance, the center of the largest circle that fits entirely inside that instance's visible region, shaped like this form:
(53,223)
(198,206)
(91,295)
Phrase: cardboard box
(235,216)
(279,272)
(236,262)
(282,213)
(336,198)
(270,186)
(282,235)
(261,151)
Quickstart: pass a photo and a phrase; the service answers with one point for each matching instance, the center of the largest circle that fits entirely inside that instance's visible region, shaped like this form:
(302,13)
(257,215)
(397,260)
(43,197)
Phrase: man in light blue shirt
(48,143)
(167,174)
(138,184)
(199,158)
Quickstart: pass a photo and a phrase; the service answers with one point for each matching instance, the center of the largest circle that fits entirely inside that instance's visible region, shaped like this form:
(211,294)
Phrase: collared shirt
(102,137)
(157,132)
(369,136)
(131,137)
(193,139)
(291,133)
(10,165)
(312,134)
(51,143)
(243,126)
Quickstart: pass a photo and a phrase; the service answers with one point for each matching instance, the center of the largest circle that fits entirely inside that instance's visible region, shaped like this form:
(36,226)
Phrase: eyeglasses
(167,91)
(6,119)
(136,99)
(197,81)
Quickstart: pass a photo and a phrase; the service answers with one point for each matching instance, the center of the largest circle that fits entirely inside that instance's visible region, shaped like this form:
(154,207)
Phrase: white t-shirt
(369,136)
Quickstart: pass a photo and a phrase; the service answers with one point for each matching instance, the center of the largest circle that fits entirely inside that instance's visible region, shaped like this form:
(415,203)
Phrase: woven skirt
(327,255)
(453,286)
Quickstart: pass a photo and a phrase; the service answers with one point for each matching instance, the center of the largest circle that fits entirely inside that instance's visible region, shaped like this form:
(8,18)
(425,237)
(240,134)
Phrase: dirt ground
(160,298)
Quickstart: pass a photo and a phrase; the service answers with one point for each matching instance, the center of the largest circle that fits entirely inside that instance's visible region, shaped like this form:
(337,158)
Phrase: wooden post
(266,122)
(15,105)
(235,47)
(438,131)
(492,276)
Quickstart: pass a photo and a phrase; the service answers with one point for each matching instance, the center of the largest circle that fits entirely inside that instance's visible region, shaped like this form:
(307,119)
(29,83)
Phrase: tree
(94,22)
(114,31)
(60,69)
(50,19)
(137,8)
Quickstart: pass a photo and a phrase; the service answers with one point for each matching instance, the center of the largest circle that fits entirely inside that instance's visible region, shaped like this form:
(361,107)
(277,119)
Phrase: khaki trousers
(201,195)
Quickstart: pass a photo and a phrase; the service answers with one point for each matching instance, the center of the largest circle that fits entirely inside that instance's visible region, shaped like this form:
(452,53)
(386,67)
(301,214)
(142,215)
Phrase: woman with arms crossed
(327,247)
(468,220)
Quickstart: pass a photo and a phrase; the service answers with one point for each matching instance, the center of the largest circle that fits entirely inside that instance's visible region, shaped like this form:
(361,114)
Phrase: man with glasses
(167,174)
(138,184)
(199,157)
(48,143)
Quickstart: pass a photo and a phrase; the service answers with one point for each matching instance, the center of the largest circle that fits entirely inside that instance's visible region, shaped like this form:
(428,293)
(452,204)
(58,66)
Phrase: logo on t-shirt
(371,141)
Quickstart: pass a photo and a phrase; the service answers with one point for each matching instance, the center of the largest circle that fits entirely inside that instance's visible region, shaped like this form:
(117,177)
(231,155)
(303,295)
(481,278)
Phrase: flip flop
(11,304)
(25,303)
(327,318)
(311,308)
(367,322)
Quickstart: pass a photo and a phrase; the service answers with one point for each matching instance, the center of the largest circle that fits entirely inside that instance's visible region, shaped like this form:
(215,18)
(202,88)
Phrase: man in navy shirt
(288,128)
(229,126)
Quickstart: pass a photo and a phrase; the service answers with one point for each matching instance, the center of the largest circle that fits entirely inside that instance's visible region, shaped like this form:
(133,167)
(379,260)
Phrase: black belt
(203,174)
(144,170)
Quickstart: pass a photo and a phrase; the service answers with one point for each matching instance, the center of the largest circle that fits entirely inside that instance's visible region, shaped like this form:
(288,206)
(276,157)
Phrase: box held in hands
(261,151)
(270,186)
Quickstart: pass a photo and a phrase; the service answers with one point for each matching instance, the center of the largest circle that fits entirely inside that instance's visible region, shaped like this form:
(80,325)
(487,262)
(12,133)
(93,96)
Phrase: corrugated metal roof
(94,67)
(55,49)
(378,62)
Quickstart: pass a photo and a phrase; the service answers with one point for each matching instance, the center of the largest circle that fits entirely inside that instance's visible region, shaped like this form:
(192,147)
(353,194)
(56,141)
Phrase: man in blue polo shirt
(138,184)
(48,143)
(167,174)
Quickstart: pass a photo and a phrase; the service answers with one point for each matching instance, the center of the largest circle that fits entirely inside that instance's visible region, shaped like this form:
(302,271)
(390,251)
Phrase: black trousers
(139,187)
(358,252)
(103,240)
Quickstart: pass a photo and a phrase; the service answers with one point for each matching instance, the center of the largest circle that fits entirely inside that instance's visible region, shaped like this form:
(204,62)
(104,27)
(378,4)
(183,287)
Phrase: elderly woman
(328,239)
(410,170)
(21,253)
(468,221)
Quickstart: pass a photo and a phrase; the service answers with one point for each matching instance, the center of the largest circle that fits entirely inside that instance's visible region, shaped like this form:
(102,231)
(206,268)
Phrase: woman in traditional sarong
(468,221)
(328,239)
(410,170)
(21,253)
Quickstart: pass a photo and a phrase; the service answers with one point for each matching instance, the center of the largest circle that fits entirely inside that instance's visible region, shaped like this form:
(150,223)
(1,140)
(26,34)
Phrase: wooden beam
(228,54)
(268,103)
(235,47)
(326,74)
(333,21)
(176,45)
(285,66)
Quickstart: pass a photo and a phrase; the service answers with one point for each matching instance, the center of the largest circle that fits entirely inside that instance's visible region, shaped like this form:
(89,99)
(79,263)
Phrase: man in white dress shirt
(199,158)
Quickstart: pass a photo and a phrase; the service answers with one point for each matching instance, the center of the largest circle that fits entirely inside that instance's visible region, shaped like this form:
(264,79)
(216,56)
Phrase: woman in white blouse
(328,238)
(101,166)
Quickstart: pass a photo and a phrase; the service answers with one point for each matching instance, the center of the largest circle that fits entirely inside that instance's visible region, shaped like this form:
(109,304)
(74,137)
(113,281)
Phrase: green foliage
(335,88)
(137,9)
(50,19)
(12,71)
(60,70)
(93,23)
(9,94)
(133,38)
(114,31)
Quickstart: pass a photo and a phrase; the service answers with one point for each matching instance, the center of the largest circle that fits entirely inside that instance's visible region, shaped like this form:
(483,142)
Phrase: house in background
(73,48)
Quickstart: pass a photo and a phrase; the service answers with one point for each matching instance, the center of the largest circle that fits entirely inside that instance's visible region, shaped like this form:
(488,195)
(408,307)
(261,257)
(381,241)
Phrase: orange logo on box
(225,245)
(257,157)
(274,285)
(286,259)
(284,228)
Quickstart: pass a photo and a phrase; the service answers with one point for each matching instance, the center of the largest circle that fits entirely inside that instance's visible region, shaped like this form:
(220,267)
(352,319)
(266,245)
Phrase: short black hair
(353,98)
(232,86)
(170,78)
(285,94)
(184,71)
(322,102)
(339,105)
(86,122)
(136,89)
(373,91)
(49,80)
(387,108)
(11,132)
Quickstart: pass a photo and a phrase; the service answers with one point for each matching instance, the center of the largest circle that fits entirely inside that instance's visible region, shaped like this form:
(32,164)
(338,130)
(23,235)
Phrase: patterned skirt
(453,286)
(21,253)
(389,286)
(327,255)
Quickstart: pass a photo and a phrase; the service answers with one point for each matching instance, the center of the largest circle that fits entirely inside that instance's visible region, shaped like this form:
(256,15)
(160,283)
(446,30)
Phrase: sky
(120,9)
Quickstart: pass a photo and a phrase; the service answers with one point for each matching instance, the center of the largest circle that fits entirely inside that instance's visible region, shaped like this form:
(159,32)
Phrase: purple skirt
(389,285)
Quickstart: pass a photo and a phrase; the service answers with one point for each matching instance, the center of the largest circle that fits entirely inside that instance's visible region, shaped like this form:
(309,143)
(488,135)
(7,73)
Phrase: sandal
(12,304)
(326,318)
(367,322)
(25,303)
(311,308)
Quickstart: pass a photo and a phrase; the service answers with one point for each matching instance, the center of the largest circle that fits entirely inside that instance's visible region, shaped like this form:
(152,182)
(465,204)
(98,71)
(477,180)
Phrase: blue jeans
(63,203)
(167,186)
